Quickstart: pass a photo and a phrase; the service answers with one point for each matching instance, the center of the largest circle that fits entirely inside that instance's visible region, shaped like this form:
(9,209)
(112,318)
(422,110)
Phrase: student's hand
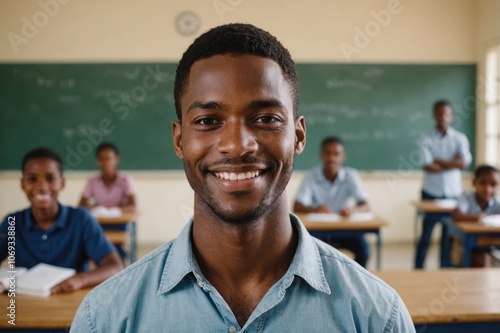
(480,217)
(345,212)
(325,209)
(69,285)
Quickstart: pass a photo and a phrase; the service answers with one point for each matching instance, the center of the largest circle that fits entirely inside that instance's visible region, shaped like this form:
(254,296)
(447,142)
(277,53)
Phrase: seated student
(109,188)
(51,233)
(328,188)
(473,206)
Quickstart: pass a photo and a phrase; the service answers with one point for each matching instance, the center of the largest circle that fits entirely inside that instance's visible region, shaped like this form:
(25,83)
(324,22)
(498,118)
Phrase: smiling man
(243,264)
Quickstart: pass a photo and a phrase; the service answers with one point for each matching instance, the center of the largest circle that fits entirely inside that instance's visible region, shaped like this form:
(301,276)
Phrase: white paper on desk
(321,217)
(361,217)
(446,203)
(491,220)
(101,211)
(38,280)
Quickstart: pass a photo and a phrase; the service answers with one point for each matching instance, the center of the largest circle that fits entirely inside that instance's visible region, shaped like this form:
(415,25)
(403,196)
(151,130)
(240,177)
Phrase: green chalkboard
(379,111)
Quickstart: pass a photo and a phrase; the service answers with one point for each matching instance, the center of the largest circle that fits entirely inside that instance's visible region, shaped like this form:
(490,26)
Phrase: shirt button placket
(232,329)
(44,237)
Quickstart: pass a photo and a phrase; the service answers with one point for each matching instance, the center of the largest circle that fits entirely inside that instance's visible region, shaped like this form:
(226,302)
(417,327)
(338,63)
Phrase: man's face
(238,135)
(443,115)
(333,156)
(42,181)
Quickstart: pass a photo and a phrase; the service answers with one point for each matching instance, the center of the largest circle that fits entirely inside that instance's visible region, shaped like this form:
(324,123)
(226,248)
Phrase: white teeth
(237,175)
(42,197)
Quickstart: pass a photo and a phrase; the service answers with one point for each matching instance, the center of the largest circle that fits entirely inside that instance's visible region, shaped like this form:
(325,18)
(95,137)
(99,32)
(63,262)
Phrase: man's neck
(330,175)
(442,130)
(243,261)
(45,218)
(482,203)
(237,253)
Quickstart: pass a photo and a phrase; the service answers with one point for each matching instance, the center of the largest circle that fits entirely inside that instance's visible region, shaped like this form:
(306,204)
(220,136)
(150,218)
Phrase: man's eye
(267,119)
(207,121)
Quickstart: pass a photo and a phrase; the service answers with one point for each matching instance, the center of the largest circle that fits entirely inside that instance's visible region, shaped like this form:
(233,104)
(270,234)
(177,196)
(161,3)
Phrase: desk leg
(133,242)
(417,215)
(469,241)
(445,242)
(379,246)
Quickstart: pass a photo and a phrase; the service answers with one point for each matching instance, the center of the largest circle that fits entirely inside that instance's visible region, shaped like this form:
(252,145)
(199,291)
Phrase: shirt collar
(61,221)
(306,263)
(490,203)
(449,132)
(320,175)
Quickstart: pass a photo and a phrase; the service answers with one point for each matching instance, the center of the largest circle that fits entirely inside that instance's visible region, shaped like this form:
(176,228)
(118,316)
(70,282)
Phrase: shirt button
(44,237)
(232,329)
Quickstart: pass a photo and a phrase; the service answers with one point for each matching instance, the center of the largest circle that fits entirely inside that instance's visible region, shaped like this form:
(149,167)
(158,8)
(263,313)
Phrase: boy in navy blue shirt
(51,233)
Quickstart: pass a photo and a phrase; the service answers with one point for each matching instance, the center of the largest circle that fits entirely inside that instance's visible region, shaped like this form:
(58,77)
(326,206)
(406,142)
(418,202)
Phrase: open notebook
(36,281)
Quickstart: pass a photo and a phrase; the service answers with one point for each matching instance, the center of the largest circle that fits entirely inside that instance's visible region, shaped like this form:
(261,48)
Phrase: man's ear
(300,135)
(63,183)
(177,138)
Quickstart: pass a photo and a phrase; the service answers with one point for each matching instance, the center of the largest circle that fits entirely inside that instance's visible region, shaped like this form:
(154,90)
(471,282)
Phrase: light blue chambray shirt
(467,203)
(316,190)
(433,146)
(322,291)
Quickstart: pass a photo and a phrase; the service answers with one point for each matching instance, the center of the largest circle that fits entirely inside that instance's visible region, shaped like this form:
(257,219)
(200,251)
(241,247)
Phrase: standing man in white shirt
(444,153)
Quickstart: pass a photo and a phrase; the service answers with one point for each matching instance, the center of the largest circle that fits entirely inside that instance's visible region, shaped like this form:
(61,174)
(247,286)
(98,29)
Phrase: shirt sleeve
(357,190)
(88,191)
(305,194)
(82,322)
(424,147)
(400,321)
(128,186)
(97,245)
(463,203)
(464,150)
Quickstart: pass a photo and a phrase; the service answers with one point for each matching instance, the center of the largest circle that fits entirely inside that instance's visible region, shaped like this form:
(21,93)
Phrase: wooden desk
(127,220)
(457,300)
(474,233)
(429,207)
(424,207)
(345,228)
(55,312)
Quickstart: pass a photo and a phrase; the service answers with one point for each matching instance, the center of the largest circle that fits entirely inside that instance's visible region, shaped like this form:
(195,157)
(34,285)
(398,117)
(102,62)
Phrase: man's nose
(237,139)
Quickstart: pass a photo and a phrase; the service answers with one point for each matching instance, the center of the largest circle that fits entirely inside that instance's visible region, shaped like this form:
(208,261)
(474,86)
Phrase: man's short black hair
(439,104)
(107,145)
(237,39)
(331,139)
(42,152)
(484,170)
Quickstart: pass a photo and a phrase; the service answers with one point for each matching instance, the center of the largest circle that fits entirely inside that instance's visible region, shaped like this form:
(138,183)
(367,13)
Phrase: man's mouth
(237,176)
(41,197)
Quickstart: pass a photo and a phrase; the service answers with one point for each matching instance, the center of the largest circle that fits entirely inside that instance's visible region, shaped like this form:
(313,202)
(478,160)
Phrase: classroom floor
(395,256)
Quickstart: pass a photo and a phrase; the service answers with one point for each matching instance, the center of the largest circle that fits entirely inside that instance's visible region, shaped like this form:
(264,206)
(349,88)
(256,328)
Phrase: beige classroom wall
(131,30)
(424,31)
